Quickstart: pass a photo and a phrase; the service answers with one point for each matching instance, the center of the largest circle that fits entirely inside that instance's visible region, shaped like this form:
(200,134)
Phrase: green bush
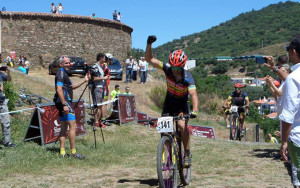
(158,95)
(11,94)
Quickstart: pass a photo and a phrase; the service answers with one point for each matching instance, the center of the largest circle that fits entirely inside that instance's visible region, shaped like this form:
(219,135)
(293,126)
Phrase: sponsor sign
(127,109)
(202,131)
(142,116)
(12,55)
(46,126)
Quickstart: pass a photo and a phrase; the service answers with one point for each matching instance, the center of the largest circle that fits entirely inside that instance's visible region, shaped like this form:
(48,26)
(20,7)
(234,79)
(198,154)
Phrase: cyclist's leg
(227,113)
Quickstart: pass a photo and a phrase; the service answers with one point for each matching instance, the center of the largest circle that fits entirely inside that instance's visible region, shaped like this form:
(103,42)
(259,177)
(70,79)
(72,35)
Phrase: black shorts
(174,109)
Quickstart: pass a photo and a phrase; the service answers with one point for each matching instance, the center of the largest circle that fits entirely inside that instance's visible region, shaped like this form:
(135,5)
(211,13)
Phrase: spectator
(63,101)
(272,139)
(115,92)
(134,69)
(129,63)
(283,59)
(127,92)
(119,17)
(115,15)
(5,118)
(290,115)
(27,65)
(53,8)
(22,68)
(93,15)
(143,66)
(21,60)
(98,87)
(59,8)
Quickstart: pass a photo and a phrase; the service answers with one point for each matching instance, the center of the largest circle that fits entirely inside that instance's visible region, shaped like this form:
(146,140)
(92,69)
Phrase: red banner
(127,108)
(46,126)
(51,125)
(142,116)
(202,131)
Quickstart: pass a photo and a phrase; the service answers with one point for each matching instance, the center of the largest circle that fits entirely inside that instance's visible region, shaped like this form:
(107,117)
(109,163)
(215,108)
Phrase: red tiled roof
(272,115)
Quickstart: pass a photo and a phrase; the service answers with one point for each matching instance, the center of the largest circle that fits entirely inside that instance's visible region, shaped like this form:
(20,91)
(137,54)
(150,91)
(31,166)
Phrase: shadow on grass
(150,182)
(53,149)
(267,153)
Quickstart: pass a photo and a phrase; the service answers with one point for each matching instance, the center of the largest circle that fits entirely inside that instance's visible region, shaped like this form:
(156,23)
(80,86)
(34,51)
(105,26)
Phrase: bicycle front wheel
(166,163)
(184,173)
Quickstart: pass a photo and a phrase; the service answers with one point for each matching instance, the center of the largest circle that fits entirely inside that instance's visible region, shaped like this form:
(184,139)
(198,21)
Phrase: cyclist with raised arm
(180,84)
(239,98)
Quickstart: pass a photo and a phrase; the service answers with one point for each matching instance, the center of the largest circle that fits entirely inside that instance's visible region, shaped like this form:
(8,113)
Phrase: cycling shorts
(65,117)
(227,111)
(241,110)
(174,109)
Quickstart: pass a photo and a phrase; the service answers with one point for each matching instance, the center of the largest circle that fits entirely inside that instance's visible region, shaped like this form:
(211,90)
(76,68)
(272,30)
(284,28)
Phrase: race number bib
(165,125)
(234,109)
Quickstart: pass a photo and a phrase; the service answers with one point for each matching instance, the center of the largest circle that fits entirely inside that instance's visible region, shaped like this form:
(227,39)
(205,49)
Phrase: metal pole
(257,133)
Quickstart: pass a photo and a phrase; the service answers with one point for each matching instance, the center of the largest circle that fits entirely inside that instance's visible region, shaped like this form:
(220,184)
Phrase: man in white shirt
(143,69)
(129,63)
(290,115)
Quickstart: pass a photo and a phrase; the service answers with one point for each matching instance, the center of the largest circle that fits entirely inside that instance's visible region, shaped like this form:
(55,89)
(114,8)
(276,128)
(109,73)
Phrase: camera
(260,60)
(91,70)
(4,68)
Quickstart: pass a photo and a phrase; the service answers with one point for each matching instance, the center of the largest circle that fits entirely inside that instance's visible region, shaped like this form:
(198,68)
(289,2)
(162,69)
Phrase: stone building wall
(41,37)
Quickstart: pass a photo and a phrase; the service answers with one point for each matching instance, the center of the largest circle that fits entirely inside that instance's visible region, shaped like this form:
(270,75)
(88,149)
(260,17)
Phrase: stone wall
(41,37)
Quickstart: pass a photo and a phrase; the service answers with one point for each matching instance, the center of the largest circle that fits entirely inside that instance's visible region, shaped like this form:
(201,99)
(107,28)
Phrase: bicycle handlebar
(175,118)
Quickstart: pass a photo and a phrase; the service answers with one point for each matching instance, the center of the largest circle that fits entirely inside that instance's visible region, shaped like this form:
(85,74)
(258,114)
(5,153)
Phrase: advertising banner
(127,109)
(45,126)
(12,55)
(142,116)
(202,131)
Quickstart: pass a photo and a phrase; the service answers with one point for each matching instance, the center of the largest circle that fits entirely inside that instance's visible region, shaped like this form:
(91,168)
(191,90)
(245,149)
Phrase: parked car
(78,65)
(116,70)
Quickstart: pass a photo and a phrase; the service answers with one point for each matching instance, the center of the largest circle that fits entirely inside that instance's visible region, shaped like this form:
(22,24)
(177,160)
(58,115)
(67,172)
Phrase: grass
(130,154)
(128,159)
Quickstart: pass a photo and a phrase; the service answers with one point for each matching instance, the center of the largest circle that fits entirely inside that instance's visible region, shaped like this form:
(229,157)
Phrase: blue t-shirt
(22,69)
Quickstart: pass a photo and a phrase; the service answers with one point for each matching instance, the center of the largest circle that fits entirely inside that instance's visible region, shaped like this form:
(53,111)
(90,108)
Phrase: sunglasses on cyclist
(176,68)
(238,88)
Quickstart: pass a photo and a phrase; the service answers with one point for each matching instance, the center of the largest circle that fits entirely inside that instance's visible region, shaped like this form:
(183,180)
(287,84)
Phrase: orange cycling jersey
(177,91)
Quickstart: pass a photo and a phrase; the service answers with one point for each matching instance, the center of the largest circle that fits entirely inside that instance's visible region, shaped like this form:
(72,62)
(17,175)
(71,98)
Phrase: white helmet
(109,56)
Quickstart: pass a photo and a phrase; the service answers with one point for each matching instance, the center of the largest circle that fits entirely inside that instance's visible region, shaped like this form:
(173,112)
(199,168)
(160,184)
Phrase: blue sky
(167,19)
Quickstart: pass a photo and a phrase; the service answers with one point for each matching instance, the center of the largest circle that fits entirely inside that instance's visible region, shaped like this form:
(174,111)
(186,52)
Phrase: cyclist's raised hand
(193,114)
(151,39)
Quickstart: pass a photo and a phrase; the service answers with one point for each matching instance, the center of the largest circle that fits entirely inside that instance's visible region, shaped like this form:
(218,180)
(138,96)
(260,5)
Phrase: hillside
(277,23)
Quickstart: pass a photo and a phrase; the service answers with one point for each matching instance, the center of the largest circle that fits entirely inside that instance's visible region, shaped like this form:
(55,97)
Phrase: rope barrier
(42,110)
(22,110)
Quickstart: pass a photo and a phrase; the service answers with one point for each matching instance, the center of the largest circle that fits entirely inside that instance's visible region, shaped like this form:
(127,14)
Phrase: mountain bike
(30,99)
(170,153)
(235,124)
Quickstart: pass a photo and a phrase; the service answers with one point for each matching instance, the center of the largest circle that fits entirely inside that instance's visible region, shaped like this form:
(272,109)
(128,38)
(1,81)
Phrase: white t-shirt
(134,66)
(143,65)
(129,63)
(119,17)
(27,64)
(60,8)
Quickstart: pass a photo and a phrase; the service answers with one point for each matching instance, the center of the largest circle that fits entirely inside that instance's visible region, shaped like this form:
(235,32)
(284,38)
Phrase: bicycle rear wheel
(184,173)
(233,127)
(166,163)
(36,99)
